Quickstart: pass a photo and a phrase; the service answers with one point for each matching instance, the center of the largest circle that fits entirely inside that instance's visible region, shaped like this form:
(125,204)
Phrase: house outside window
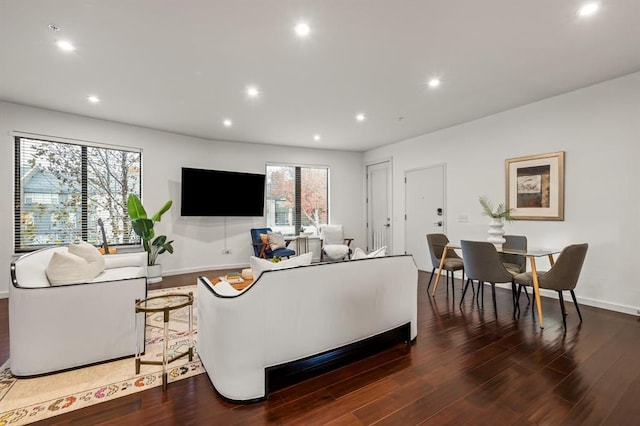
(62,189)
(297,196)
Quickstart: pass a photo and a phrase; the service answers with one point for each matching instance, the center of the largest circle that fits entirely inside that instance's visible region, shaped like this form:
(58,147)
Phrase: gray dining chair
(452,263)
(482,263)
(515,262)
(562,276)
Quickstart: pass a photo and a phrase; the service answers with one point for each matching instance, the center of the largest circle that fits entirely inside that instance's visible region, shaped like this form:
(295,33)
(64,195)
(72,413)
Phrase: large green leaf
(143,228)
(156,217)
(160,240)
(135,209)
(157,247)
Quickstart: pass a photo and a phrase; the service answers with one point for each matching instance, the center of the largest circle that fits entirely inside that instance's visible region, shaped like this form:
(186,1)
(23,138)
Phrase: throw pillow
(358,253)
(335,251)
(223,288)
(276,240)
(258,265)
(381,252)
(265,240)
(89,253)
(66,268)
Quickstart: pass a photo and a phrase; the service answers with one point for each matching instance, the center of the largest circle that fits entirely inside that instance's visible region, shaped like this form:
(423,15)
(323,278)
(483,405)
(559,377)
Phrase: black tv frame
(210,192)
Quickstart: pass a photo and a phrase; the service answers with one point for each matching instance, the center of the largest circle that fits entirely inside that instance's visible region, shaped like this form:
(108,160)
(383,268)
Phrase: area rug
(24,401)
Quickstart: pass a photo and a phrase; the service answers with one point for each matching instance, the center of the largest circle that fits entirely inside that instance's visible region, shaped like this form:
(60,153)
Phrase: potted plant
(500,212)
(143,227)
(498,215)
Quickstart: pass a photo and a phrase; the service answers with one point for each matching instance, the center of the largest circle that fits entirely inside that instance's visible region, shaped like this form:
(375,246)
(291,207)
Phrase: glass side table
(164,303)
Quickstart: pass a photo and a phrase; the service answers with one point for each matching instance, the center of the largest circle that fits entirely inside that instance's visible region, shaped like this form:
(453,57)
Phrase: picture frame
(535,186)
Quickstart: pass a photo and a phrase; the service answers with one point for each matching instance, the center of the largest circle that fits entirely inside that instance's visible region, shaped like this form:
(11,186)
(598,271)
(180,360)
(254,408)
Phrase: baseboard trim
(609,306)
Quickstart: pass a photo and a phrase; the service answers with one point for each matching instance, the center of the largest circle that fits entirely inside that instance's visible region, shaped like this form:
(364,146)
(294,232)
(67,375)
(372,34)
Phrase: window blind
(63,188)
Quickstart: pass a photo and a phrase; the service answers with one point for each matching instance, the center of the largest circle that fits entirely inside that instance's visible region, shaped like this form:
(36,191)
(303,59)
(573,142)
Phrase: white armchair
(334,245)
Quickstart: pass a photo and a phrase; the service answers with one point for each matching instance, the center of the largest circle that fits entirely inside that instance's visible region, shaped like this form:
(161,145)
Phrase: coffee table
(238,286)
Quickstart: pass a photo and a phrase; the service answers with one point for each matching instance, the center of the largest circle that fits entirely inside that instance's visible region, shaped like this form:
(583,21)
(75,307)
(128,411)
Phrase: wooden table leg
(444,256)
(536,288)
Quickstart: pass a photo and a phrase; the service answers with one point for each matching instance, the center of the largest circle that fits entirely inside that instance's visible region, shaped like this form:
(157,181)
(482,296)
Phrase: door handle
(387,225)
(438,223)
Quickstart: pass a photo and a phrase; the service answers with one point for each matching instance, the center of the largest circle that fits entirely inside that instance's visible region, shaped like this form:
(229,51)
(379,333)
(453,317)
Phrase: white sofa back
(54,328)
(294,313)
(33,266)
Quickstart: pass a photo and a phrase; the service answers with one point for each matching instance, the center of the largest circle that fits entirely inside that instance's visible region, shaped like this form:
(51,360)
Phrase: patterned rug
(24,401)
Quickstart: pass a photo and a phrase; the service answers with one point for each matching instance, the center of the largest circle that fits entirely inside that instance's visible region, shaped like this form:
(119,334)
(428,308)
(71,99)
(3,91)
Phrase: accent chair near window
(264,248)
(334,245)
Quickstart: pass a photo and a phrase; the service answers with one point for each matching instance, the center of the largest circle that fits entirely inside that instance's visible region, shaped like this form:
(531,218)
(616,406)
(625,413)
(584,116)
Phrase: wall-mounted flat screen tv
(221,193)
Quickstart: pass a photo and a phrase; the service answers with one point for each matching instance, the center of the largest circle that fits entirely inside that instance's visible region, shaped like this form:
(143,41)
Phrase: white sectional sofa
(292,314)
(53,328)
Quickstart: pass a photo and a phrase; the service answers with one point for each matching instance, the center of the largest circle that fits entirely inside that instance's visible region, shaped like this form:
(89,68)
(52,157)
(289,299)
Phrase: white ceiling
(183,65)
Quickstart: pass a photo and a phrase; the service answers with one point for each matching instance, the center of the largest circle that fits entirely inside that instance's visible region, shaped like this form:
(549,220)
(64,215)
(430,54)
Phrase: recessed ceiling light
(302,29)
(93,99)
(253,91)
(316,137)
(434,82)
(361,117)
(65,45)
(227,123)
(588,9)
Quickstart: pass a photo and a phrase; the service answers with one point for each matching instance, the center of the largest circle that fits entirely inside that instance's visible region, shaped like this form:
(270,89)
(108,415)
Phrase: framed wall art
(535,186)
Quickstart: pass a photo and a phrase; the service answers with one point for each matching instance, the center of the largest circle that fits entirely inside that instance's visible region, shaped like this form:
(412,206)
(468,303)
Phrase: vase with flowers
(498,216)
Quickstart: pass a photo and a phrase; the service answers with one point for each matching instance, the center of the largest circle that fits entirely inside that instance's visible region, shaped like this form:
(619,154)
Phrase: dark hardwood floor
(466,367)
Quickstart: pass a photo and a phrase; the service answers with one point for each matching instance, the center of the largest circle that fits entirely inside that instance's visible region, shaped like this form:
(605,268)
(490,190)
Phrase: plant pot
(154,274)
(496,232)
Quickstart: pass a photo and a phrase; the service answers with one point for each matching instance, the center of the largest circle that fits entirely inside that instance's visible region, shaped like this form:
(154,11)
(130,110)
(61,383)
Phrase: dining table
(530,254)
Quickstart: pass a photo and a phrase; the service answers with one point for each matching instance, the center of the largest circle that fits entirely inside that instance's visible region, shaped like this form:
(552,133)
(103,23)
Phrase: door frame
(389,162)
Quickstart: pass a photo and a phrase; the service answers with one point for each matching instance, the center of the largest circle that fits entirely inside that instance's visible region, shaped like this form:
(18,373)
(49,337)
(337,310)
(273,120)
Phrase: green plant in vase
(498,215)
(499,212)
(143,227)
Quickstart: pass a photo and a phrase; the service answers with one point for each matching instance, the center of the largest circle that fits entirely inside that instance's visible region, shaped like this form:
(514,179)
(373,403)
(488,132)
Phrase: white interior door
(379,206)
(424,211)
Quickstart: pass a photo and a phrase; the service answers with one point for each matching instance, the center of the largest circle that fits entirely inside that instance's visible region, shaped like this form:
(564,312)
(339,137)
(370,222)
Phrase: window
(62,189)
(296,196)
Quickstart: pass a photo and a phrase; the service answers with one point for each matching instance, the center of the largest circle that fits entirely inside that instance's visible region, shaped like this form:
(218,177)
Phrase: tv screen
(221,193)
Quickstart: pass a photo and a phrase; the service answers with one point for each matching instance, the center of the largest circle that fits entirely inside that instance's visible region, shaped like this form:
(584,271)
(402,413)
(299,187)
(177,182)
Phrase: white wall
(198,241)
(598,127)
